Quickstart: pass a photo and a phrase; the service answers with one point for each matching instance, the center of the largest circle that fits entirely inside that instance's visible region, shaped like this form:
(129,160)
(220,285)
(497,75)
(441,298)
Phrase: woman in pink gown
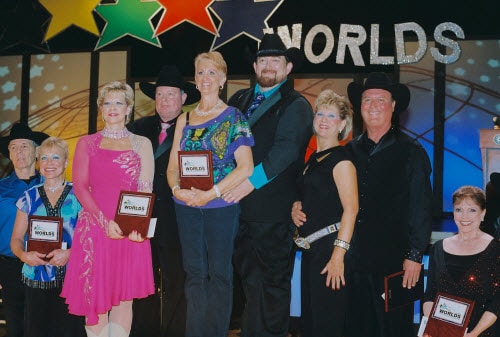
(107,270)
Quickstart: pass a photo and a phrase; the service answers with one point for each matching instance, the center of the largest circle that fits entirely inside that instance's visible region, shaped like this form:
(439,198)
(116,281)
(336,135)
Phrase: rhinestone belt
(305,243)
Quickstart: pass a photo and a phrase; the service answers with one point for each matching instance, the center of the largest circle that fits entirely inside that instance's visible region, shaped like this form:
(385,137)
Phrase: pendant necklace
(115,134)
(54,188)
(206,113)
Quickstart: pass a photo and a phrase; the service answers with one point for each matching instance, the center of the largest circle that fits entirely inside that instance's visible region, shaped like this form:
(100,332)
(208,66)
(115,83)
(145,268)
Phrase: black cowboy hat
(400,92)
(495,181)
(20,131)
(170,76)
(272,45)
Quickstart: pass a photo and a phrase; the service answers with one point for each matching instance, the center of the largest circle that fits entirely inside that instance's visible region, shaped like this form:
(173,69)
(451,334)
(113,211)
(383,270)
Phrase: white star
(36,71)
(11,103)
(9,86)
(49,87)
(4,71)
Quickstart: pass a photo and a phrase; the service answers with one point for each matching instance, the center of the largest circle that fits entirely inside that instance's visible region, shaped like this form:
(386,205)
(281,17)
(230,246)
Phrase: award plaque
(44,233)
(449,316)
(396,296)
(134,212)
(195,169)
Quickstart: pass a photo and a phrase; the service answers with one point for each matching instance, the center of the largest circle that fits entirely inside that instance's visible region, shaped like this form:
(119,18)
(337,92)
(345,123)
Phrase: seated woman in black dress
(467,264)
(329,196)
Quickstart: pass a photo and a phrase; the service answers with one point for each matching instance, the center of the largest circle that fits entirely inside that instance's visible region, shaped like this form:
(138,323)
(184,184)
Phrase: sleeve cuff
(259,177)
(413,255)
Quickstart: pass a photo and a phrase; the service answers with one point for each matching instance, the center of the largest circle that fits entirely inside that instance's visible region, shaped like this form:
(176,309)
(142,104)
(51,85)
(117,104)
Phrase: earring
(197,87)
(221,87)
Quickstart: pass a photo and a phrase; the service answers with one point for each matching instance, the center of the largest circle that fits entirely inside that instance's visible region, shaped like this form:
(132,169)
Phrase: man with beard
(19,146)
(170,92)
(281,123)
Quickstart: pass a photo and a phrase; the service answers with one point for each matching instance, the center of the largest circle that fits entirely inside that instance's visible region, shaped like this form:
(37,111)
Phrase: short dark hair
(474,193)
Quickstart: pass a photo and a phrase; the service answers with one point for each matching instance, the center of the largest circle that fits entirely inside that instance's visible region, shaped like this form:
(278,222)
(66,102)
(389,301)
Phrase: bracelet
(217,191)
(342,244)
(175,187)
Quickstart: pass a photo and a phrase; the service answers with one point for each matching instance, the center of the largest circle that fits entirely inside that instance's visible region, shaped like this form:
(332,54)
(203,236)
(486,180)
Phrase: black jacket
(150,127)
(394,221)
(281,135)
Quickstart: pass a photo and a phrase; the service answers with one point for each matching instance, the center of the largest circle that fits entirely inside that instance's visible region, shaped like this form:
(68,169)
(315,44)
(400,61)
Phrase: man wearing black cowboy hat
(19,146)
(170,93)
(281,123)
(393,226)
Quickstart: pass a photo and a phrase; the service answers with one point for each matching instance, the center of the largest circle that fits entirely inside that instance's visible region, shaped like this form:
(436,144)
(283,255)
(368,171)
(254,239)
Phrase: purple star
(242,17)
(23,27)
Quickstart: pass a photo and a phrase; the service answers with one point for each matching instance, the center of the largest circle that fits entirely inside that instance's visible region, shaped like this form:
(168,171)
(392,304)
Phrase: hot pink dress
(101,271)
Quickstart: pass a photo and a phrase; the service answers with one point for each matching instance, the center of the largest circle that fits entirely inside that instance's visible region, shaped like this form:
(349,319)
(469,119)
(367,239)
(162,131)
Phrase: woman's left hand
(58,257)
(200,197)
(136,237)
(334,270)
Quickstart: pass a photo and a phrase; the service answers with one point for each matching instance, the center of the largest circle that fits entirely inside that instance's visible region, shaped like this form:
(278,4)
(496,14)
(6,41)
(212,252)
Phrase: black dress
(323,309)
(475,277)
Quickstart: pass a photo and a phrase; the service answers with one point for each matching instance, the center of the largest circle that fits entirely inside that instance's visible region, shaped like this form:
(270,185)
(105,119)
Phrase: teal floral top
(222,135)
(35,202)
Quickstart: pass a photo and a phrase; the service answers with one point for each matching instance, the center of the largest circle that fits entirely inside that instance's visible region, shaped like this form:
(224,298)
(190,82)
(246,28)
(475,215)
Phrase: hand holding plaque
(195,169)
(44,234)
(449,316)
(134,212)
(395,295)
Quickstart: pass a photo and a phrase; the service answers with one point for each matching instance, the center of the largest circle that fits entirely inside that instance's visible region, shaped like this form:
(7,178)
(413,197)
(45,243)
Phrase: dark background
(181,44)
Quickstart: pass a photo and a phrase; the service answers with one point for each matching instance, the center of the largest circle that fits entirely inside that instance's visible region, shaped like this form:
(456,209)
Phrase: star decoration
(24,27)
(8,86)
(128,17)
(36,71)
(242,17)
(11,103)
(192,11)
(66,13)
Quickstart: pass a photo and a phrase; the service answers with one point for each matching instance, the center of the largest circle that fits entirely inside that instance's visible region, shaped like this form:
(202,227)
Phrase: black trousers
(163,314)
(12,295)
(262,257)
(46,315)
(366,316)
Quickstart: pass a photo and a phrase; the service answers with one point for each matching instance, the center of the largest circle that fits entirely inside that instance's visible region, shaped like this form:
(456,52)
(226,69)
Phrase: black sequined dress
(475,277)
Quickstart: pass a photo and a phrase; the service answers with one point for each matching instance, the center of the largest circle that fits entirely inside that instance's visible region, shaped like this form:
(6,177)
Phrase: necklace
(115,134)
(206,113)
(54,188)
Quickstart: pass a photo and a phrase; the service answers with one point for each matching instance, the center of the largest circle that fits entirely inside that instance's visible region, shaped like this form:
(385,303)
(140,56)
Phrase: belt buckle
(302,243)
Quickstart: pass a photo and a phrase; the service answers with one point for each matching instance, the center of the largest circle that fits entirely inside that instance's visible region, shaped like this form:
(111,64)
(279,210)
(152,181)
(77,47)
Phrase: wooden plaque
(195,169)
(134,212)
(449,316)
(44,233)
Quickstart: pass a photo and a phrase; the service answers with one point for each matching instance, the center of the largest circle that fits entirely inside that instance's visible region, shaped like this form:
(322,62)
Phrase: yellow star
(66,13)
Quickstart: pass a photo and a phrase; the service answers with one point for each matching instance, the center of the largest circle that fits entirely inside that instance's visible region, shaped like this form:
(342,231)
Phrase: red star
(193,11)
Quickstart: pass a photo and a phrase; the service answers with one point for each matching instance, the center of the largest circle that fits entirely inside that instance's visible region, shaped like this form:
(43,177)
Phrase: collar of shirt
(269,92)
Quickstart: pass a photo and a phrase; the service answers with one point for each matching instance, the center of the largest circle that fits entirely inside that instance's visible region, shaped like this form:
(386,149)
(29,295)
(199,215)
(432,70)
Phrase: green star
(128,17)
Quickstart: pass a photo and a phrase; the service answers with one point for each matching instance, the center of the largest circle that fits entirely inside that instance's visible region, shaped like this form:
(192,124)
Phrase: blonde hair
(52,142)
(328,98)
(215,57)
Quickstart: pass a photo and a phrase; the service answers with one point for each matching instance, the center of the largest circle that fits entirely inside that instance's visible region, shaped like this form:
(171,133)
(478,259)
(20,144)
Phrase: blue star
(242,17)
(36,71)
(8,86)
(11,103)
